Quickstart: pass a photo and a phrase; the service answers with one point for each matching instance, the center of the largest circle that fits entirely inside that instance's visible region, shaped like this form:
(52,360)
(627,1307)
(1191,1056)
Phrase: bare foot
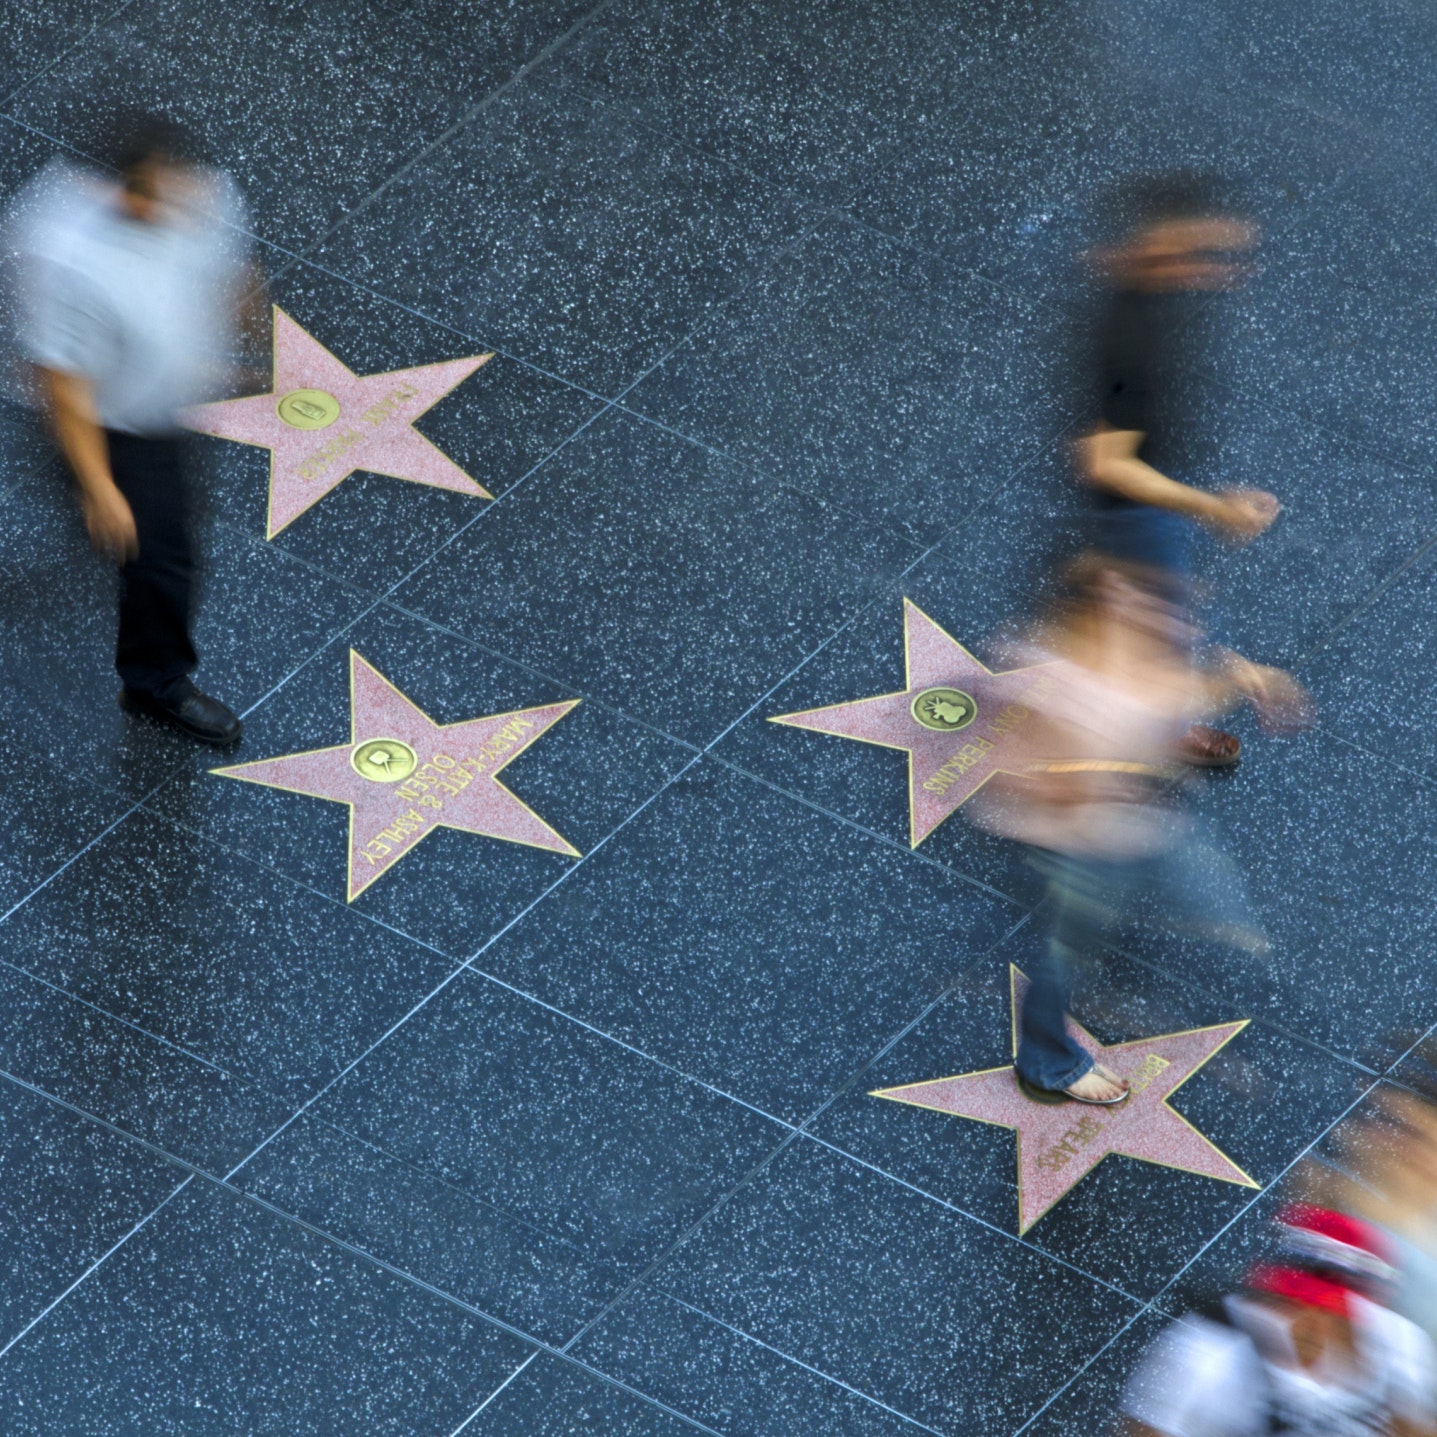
(1098,1085)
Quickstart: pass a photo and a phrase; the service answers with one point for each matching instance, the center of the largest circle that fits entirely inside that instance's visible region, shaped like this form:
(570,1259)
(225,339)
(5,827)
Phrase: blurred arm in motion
(70,409)
(1108,459)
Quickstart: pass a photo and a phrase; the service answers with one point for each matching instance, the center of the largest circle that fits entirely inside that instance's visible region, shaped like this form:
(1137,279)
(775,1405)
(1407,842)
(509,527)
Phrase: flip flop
(1066,1095)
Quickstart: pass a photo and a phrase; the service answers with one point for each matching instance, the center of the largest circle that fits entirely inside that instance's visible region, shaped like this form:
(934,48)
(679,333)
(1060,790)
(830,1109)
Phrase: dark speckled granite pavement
(780,298)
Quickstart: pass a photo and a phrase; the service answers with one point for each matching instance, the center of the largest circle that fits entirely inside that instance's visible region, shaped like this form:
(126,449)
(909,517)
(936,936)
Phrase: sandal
(1067,1095)
(1205,747)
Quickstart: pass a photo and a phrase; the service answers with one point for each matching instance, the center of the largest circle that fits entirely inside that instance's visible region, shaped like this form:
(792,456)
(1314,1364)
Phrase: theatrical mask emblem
(384,760)
(308,409)
(944,710)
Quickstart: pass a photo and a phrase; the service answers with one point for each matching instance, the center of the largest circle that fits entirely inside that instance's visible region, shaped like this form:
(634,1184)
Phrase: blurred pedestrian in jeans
(1098,803)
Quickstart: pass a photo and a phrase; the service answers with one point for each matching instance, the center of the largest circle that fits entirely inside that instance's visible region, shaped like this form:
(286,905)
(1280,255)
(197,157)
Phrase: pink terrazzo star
(403,775)
(321,422)
(1061,1143)
(974,722)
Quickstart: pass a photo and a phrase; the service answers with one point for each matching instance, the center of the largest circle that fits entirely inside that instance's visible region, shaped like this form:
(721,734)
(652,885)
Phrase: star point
(1059,1144)
(321,422)
(403,775)
(958,721)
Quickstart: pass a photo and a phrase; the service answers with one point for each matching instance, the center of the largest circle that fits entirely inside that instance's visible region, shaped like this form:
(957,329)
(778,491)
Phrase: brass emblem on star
(957,720)
(322,422)
(399,790)
(308,409)
(944,710)
(384,760)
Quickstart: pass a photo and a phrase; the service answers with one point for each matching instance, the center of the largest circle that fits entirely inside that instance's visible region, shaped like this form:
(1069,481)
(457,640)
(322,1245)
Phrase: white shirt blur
(142,310)
(1205,1379)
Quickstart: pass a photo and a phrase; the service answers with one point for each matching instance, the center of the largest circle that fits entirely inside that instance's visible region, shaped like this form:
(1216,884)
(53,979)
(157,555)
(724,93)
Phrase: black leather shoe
(184,707)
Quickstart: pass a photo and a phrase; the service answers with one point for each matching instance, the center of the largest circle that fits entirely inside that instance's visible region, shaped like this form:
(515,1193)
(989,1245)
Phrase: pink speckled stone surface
(374,431)
(1059,1144)
(957,762)
(454,784)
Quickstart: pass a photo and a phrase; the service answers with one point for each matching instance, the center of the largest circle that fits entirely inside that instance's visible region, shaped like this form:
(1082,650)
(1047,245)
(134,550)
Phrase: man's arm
(1108,458)
(71,411)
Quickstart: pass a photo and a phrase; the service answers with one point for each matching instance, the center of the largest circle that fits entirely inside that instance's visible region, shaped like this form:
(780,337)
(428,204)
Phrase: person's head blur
(1179,235)
(158,164)
(1322,1261)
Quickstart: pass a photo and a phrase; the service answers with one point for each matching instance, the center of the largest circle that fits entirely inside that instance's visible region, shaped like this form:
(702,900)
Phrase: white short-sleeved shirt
(1204,1378)
(141,310)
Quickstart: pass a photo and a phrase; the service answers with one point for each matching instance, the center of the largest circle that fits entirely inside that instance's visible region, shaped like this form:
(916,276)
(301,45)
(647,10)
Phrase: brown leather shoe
(1206,747)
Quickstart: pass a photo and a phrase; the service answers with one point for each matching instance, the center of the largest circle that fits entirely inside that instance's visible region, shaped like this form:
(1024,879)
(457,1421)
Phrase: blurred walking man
(128,292)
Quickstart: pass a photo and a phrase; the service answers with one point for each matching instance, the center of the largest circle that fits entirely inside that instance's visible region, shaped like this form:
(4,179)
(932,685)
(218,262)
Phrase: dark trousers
(156,586)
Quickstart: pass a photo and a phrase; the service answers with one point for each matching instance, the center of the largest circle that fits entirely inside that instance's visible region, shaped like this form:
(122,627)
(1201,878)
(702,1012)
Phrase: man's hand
(110,522)
(71,408)
(1243,514)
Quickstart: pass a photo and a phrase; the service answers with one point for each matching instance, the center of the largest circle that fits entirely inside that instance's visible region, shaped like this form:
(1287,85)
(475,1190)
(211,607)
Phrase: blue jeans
(1194,888)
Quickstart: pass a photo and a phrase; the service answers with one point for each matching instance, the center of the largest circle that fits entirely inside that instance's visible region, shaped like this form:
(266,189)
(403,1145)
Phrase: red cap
(1324,1257)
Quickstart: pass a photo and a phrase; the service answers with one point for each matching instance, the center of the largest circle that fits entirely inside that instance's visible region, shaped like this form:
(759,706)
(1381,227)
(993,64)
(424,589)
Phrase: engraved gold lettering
(1072,1142)
(500,744)
(382,409)
(962,760)
(1152,1066)
(323,457)
(405,826)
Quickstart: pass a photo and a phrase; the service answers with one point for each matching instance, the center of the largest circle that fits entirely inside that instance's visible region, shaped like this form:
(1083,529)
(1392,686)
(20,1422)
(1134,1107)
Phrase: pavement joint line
(462,968)
(797,1361)
(471,965)
(961,1212)
(719,1203)
(464,120)
(432,1176)
(193,1170)
(896,844)
(934,1004)
(515,1373)
(227,1185)
(93,1268)
(1384,586)
(1371,599)
(1422,776)
(1171,1284)
(1059,1392)
(1215,995)
(542,674)
(761,267)
(108,18)
(340,635)
(468,336)
(124,1022)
